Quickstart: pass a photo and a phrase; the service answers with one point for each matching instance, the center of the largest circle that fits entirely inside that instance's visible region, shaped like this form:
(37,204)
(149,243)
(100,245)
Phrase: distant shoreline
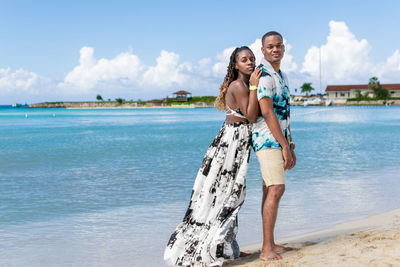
(154,107)
(116,105)
(134,105)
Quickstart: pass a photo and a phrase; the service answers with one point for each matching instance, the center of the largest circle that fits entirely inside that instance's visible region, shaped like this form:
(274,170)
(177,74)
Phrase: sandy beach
(374,241)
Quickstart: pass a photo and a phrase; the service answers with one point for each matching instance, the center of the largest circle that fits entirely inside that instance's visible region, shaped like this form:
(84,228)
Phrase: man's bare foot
(243,254)
(270,256)
(280,249)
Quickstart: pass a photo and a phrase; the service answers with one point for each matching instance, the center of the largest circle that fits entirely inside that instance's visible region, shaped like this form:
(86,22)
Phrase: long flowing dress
(207,234)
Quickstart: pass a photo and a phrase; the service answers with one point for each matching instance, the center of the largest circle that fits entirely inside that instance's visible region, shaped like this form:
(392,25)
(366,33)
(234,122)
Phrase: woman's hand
(255,77)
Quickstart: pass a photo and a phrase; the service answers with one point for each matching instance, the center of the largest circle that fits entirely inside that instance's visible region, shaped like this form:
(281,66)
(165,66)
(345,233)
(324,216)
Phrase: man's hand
(287,158)
(293,159)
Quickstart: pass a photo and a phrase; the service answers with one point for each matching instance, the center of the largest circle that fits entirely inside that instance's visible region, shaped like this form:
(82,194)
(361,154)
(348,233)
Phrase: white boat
(317,102)
(313,102)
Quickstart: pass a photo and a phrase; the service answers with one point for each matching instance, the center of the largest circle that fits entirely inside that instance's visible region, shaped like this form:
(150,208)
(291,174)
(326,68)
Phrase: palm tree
(306,88)
(375,85)
(99,98)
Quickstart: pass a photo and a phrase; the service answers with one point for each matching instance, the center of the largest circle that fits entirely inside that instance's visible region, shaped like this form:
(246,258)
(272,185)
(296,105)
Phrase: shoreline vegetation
(193,102)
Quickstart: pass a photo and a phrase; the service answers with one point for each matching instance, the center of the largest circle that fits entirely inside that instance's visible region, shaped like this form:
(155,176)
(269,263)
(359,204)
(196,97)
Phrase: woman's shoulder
(237,85)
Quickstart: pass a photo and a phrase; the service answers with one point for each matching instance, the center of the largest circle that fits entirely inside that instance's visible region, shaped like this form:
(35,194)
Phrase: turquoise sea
(108,187)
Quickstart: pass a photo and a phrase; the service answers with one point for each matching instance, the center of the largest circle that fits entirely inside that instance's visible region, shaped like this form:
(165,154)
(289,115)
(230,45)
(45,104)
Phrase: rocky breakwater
(114,104)
(105,104)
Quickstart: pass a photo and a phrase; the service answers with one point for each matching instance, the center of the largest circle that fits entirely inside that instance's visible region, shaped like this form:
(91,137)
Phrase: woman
(207,234)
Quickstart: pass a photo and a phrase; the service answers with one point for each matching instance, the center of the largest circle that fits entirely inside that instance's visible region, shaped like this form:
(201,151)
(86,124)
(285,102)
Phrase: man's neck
(276,65)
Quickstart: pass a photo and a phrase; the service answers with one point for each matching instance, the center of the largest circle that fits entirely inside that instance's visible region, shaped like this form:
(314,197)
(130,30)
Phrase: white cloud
(204,62)
(220,67)
(389,71)
(124,68)
(168,71)
(127,77)
(344,59)
(24,86)
(288,64)
(19,80)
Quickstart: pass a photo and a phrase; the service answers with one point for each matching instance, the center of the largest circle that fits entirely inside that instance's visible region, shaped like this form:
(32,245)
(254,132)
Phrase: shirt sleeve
(266,87)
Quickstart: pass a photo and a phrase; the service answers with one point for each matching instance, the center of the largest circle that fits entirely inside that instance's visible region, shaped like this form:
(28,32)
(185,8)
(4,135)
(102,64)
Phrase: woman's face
(245,62)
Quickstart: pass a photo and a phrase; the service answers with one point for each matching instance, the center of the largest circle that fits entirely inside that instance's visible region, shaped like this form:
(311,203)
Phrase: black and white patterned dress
(207,234)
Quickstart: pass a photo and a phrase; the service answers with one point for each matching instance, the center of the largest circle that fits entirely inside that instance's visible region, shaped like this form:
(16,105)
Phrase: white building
(342,92)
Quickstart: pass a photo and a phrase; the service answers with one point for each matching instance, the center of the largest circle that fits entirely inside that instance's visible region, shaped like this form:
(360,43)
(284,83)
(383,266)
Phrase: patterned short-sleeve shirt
(273,85)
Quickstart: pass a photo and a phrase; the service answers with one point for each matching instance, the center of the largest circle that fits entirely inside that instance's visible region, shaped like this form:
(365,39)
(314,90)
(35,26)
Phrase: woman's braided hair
(230,76)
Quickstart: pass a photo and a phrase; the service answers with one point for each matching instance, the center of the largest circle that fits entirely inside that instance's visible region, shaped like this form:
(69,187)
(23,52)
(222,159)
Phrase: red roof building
(349,91)
(182,95)
(182,92)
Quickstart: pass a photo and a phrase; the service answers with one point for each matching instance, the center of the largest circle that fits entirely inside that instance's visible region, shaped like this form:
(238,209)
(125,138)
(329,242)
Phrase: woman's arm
(248,102)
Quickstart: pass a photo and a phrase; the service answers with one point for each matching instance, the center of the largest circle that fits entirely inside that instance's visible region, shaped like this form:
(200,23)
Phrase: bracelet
(291,143)
(253,87)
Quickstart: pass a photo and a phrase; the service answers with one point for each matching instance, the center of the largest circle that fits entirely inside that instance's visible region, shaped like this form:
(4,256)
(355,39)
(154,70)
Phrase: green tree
(119,100)
(99,98)
(358,95)
(382,93)
(306,88)
(375,85)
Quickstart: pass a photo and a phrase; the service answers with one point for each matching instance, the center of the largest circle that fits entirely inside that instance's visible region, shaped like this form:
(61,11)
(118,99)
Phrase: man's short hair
(271,33)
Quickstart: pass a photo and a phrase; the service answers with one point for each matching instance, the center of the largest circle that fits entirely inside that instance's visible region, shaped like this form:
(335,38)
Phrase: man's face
(273,49)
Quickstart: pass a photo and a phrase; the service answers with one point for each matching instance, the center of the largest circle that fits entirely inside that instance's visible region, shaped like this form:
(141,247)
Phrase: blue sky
(72,50)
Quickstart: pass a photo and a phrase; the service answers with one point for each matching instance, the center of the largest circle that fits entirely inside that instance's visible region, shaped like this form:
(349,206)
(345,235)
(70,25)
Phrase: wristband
(291,143)
(252,87)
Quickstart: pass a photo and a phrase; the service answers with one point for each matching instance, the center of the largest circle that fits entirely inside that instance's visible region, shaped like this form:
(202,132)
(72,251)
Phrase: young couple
(256,101)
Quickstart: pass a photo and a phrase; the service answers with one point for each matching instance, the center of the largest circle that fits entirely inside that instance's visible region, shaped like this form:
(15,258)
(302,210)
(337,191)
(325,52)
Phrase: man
(272,140)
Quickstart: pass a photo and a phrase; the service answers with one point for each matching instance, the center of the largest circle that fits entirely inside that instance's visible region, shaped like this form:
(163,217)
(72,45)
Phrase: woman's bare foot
(280,249)
(270,256)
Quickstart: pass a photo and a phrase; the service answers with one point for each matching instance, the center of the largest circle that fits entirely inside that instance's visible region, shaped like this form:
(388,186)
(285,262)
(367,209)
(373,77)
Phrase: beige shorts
(271,166)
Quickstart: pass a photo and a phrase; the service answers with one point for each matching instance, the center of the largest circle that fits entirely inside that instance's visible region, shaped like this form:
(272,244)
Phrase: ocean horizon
(108,187)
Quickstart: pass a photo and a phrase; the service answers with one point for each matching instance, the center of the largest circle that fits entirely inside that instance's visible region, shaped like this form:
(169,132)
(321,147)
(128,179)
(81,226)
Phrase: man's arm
(266,106)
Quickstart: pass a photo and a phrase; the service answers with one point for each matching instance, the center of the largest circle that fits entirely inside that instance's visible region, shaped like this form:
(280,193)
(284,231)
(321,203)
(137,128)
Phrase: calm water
(107,187)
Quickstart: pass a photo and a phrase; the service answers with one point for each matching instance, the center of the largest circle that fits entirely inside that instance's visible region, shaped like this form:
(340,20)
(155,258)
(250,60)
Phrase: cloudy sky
(74,50)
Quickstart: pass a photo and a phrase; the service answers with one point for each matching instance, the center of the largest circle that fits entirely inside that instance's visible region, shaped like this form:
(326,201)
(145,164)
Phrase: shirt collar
(270,69)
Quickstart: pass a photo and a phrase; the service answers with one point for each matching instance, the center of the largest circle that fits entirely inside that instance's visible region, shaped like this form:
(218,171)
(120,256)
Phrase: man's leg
(271,198)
